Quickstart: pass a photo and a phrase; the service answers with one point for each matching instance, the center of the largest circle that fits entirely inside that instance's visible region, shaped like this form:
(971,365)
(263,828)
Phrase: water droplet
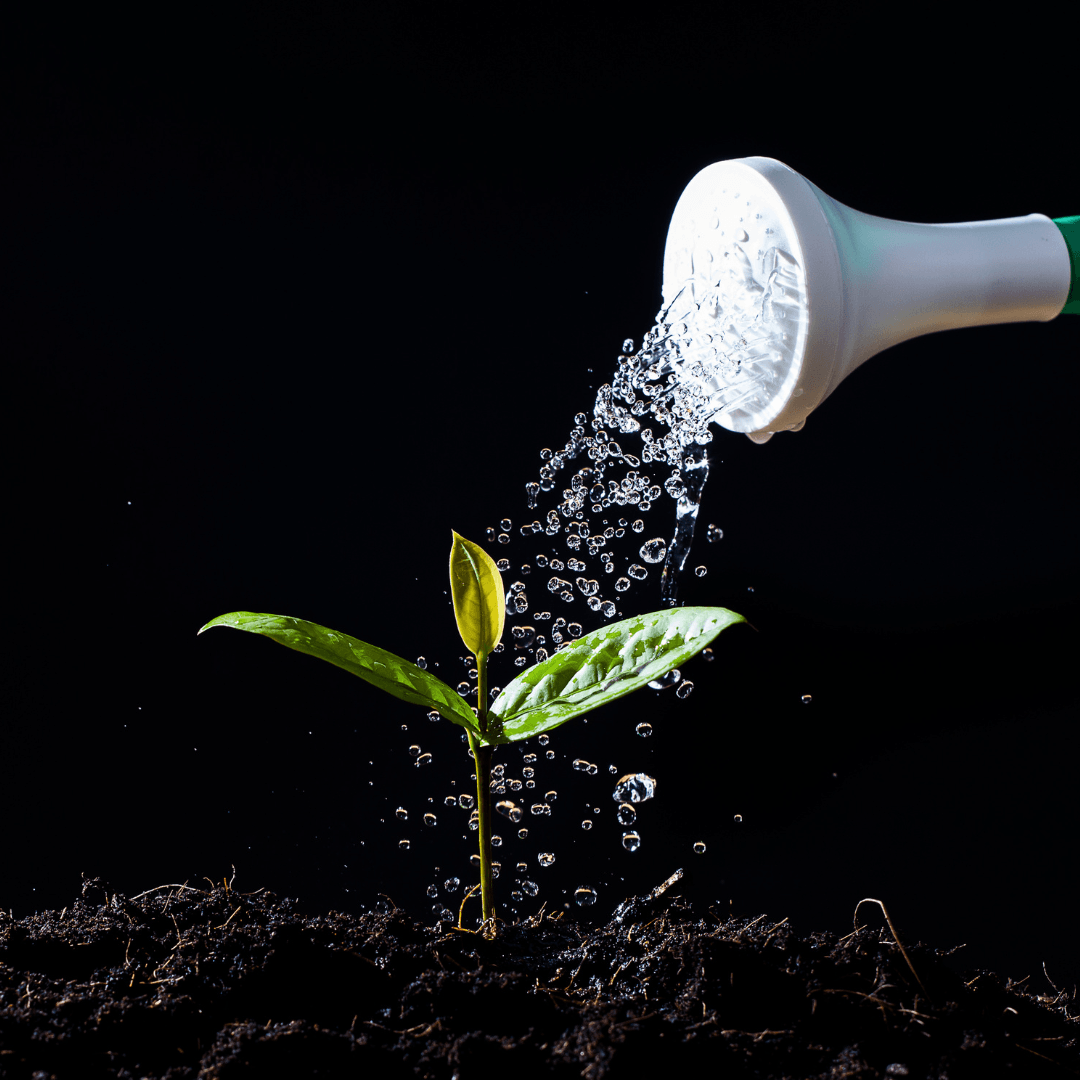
(586,824)
(635,788)
(496,841)
(522,833)
(714,533)
(653,551)
(581,765)
(670,679)
(622,584)
(505,524)
(530,888)
(414,751)
(423,759)
(637,571)
(638,526)
(402,813)
(628,346)
(644,730)
(421,663)
(545,858)
(433,891)
(403,845)
(466,802)
(738,818)
(433,714)
(540,810)
(675,487)
(503,565)
(584,896)
(685,690)
(708,654)
(700,571)
(429,819)
(509,810)
(626,814)
(806,699)
(450,800)
(631,841)
(699,847)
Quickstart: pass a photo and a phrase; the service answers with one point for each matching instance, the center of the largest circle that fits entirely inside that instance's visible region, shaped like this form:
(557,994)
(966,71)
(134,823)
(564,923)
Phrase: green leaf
(479,598)
(376,666)
(603,666)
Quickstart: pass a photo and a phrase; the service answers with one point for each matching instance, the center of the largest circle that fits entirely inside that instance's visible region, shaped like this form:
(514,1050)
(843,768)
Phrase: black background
(291,292)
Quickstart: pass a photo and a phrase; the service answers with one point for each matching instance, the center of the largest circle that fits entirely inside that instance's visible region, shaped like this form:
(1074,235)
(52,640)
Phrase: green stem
(482,758)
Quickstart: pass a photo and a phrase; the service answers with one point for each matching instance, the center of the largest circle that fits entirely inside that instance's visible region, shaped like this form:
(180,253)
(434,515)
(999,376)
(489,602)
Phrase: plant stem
(482,758)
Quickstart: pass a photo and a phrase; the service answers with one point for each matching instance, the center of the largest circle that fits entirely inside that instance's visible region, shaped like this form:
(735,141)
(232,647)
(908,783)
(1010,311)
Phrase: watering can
(794,290)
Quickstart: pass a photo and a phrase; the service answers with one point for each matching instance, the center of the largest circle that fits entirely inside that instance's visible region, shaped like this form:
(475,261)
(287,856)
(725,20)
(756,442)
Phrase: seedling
(580,676)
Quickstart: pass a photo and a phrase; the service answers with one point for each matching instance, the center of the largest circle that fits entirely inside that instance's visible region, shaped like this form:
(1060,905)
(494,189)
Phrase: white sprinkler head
(776,292)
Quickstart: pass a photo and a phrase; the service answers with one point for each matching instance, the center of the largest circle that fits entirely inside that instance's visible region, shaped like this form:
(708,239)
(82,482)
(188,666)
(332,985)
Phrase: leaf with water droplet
(605,665)
(383,669)
(478,594)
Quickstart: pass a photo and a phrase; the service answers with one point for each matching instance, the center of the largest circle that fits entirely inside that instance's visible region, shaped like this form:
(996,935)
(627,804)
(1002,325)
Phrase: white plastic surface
(861,283)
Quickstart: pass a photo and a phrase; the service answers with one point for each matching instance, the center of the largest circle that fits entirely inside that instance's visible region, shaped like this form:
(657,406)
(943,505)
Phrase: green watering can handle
(1070,229)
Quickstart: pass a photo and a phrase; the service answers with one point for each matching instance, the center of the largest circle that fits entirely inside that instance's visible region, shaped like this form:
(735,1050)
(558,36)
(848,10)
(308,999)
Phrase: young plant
(582,675)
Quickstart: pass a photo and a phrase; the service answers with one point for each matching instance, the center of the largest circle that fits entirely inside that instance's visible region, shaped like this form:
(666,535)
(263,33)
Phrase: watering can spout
(808,288)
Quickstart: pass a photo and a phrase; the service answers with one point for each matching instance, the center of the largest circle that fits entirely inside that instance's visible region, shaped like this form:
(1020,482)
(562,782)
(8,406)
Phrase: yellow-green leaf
(479,600)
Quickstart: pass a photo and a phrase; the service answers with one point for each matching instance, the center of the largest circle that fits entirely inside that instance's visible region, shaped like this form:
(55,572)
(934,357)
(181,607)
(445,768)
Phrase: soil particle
(182,982)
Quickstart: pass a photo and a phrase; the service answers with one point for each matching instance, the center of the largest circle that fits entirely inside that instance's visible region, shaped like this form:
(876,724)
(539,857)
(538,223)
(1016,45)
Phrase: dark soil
(184,982)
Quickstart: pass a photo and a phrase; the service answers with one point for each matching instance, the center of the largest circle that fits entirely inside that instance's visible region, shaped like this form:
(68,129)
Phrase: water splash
(581,546)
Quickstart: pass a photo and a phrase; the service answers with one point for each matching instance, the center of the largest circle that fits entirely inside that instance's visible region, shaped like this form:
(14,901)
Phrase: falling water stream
(725,338)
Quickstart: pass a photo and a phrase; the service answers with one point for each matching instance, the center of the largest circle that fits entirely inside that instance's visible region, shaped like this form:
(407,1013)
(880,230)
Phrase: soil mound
(183,982)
